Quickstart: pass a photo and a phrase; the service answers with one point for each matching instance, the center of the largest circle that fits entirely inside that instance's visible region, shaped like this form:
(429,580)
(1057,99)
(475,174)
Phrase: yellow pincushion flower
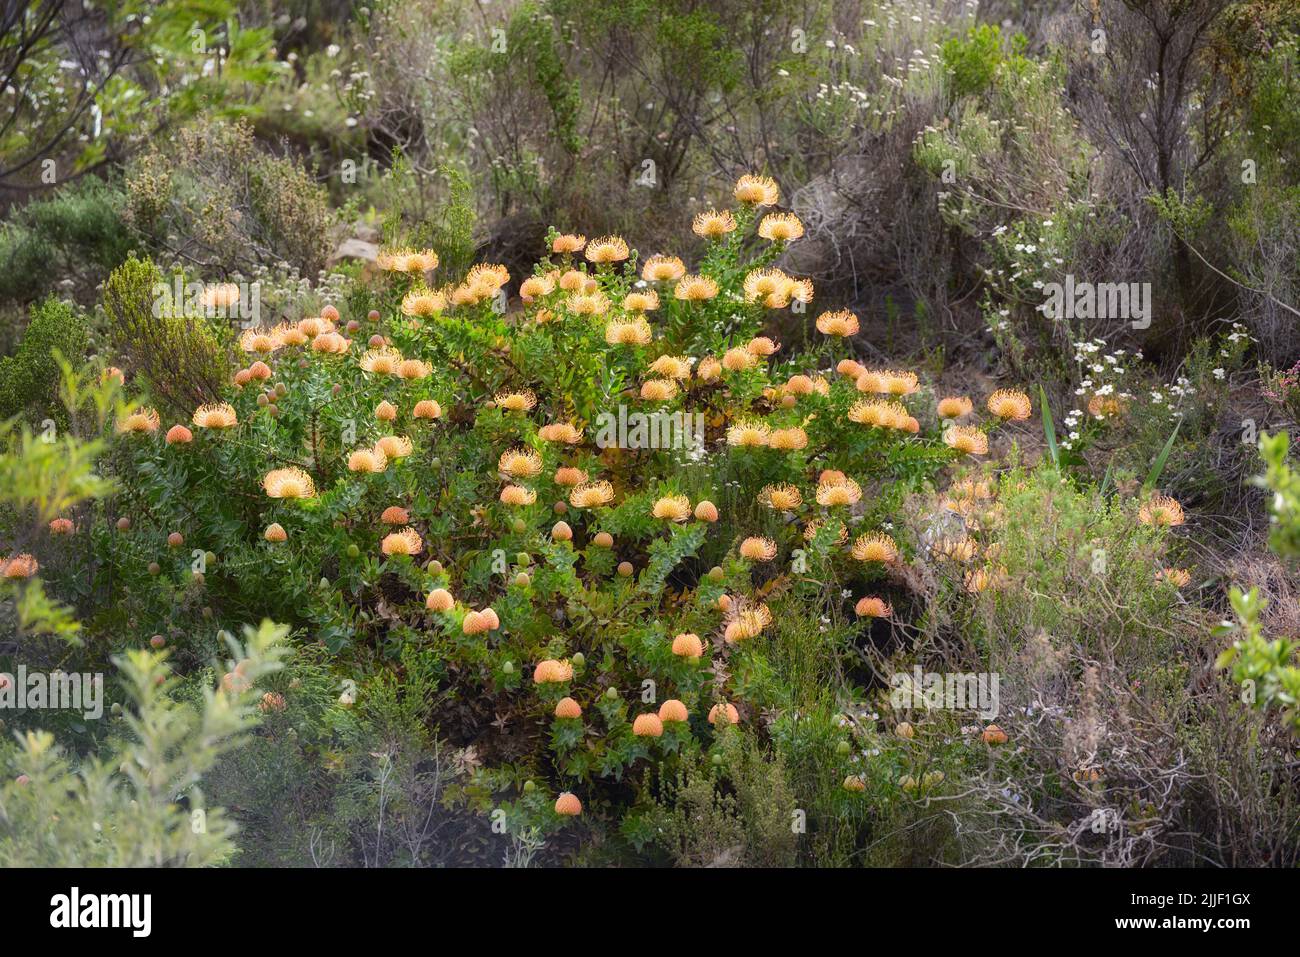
(534,287)
(367,461)
(424,302)
(841,323)
(515,401)
(780,227)
(738,359)
(394,446)
(757,190)
(781,498)
(695,289)
(746,621)
(749,434)
(520,463)
(713,223)
(837,491)
(568,243)
(875,547)
(1161,510)
(758,549)
(591,495)
(141,421)
(587,304)
(1010,404)
(608,249)
(289,483)
(962,549)
(672,508)
(382,361)
(954,407)
(406,541)
(290,334)
(966,438)
(663,269)
(486,278)
(634,332)
(658,390)
(769,286)
(261,341)
(518,495)
(560,432)
(215,415)
(786,440)
(641,301)
(879,414)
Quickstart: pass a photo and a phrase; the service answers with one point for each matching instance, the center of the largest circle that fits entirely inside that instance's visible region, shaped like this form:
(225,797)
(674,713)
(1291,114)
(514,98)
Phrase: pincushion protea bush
(628,551)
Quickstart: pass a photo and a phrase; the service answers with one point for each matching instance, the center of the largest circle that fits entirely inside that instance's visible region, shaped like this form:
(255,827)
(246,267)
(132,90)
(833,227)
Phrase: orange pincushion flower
(534,287)
(61,526)
(695,289)
(631,332)
(551,671)
(568,243)
(726,712)
(382,361)
(330,343)
(242,378)
(608,249)
(385,411)
(1161,510)
(179,435)
(757,190)
(141,421)
(812,529)
(421,302)
(568,708)
(520,463)
(1011,404)
(873,607)
(663,269)
(709,369)
(289,334)
(486,278)
(588,304)
(569,476)
(395,515)
(112,373)
(798,385)
(475,623)
(982,579)
(367,461)
(575,280)
(850,369)
(19,566)
(567,805)
(641,301)
(275,533)
(781,498)
(289,483)
(962,549)
(1101,406)
(263,341)
(838,490)
(688,645)
(515,401)
(673,508)
(854,783)
(440,600)
(394,447)
(411,369)
(647,726)
(954,407)
(259,371)
(738,359)
(561,532)
(875,547)
(406,541)
(788,439)
(713,223)
(758,549)
(966,438)
(560,432)
(672,367)
(780,227)
(761,346)
(517,495)
(840,323)
(1178,577)
(216,415)
(749,434)
(313,326)
(659,390)
(769,286)
(746,621)
(673,710)
(879,413)
(591,495)
(994,735)
(706,511)
(427,409)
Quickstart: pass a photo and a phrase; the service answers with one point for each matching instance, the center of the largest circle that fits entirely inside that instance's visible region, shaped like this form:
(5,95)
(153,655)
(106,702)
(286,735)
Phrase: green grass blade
(1049,430)
(1158,465)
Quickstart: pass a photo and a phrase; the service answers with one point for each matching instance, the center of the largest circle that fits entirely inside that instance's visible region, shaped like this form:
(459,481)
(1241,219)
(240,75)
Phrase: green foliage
(29,378)
(1266,670)
(974,60)
(177,357)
